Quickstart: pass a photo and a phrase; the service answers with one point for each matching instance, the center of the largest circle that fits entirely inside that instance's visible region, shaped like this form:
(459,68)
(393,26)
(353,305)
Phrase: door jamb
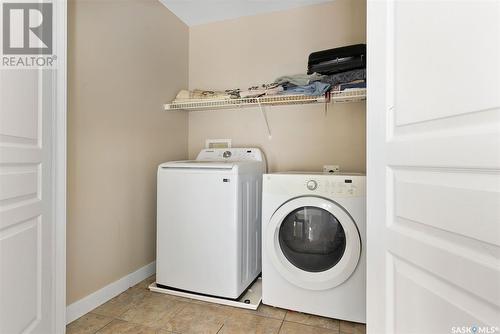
(59,182)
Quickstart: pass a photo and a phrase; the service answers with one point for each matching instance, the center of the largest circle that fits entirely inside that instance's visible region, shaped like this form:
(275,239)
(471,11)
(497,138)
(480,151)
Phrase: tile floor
(141,311)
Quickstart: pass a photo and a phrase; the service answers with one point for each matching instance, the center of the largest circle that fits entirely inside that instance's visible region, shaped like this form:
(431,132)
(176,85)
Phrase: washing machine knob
(312,185)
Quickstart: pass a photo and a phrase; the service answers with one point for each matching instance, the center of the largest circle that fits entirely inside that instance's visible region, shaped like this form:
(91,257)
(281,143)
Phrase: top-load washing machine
(209,222)
(314,237)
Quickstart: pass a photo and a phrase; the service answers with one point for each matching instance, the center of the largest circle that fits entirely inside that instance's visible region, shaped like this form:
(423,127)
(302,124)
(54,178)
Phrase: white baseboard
(90,302)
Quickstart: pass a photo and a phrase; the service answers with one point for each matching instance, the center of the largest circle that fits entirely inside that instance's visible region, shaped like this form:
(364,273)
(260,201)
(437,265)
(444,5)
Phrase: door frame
(59,180)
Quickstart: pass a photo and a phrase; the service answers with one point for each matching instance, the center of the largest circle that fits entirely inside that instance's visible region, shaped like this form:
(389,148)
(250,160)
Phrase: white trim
(59,280)
(87,304)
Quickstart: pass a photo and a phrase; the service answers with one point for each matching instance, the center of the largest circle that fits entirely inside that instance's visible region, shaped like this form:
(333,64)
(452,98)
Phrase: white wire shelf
(354,95)
(348,96)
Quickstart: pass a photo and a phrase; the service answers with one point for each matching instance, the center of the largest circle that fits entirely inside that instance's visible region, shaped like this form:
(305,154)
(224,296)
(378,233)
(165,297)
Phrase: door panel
(444,303)
(450,201)
(433,165)
(27,227)
(443,51)
(20,106)
(20,266)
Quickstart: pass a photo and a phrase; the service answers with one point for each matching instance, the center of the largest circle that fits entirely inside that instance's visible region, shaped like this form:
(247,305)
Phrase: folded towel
(199,94)
(299,79)
(349,85)
(344,77)
(314,89)
(266,89)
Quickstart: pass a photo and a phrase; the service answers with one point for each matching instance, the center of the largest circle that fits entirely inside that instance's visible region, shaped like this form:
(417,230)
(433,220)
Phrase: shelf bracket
(328,99)
(264,114)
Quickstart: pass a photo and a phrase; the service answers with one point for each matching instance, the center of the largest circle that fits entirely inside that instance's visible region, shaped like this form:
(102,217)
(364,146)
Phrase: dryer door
(313,243)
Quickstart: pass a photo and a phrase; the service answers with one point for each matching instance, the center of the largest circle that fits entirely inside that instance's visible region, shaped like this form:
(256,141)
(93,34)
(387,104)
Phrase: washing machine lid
(313,243)
(199,164)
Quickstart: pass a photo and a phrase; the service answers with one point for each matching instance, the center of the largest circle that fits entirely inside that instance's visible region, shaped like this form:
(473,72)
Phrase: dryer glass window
(312,239)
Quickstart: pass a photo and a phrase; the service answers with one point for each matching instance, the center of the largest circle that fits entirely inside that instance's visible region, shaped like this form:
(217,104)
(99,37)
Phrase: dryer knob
(312,185)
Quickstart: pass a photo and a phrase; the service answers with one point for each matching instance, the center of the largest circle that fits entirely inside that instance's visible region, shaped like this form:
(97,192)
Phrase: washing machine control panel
(231,154)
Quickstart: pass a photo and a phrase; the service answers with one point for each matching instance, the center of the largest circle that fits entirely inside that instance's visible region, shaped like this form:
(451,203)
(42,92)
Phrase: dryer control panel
(344,187)
(319,184)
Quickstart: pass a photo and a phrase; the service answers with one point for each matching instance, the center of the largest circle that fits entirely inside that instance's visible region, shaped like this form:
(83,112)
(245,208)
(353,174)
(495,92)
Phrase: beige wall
(126,58)
(257,49)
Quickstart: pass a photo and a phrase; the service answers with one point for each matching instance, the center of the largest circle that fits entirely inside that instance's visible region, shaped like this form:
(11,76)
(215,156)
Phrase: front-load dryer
(209,222)
(314,237)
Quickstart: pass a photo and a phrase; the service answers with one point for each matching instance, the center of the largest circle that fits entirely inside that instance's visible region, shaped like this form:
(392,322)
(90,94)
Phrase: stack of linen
(303,84)
(298,84)
(344,68)
(338,69)
(353,79)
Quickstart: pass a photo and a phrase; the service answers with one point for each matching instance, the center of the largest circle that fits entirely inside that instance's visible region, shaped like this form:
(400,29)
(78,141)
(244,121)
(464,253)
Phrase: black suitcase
(337,60)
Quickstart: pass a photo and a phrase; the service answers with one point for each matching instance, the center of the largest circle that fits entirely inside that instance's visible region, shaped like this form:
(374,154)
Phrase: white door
(433,167)
(32,196)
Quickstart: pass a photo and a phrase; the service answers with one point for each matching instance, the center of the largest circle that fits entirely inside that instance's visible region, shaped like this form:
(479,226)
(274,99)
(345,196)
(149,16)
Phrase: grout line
(268,317)
(129,306)
(220,328)
(281,325)
(128,309)
(314,326)
(104,325)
